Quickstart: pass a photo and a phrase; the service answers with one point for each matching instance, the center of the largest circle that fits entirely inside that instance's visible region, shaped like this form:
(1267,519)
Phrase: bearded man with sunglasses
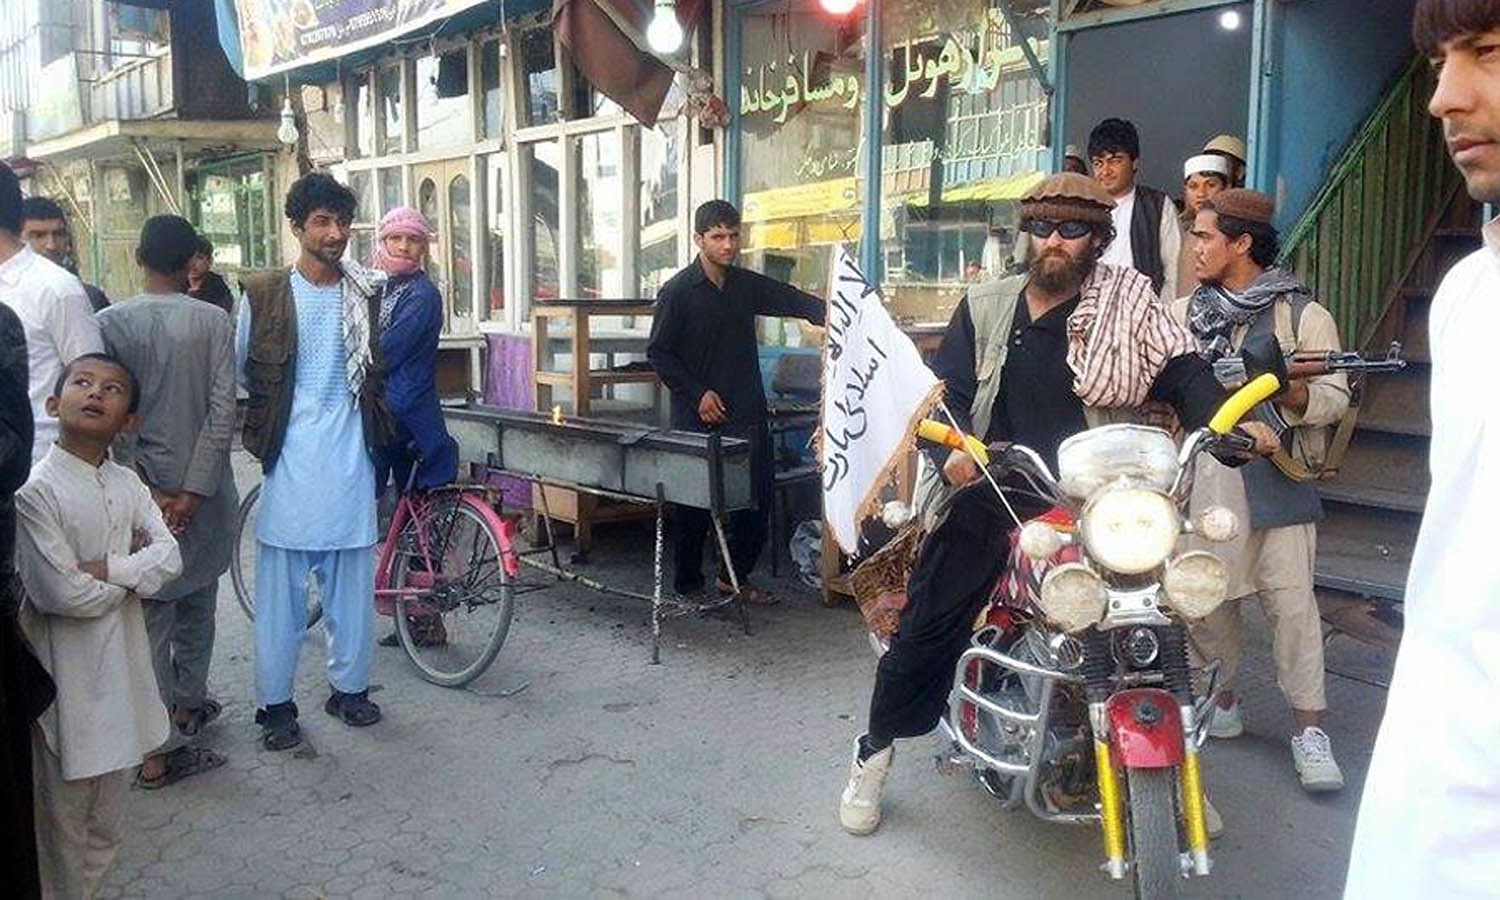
(1031,359)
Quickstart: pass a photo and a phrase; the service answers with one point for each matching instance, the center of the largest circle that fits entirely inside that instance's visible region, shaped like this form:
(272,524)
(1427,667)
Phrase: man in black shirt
(704,348)
(204,283)
(1030,359)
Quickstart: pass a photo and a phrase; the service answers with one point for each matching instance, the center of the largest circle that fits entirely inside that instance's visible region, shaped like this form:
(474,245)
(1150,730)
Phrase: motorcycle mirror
(1262,355)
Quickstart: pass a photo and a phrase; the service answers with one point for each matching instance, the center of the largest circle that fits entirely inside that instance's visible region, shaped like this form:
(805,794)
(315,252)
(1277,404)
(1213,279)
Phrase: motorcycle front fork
(1111,797)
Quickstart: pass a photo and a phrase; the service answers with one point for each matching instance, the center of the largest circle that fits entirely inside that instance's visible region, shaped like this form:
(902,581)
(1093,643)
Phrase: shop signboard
(279,35)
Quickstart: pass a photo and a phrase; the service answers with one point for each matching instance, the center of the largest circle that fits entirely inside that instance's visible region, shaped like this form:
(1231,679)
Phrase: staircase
(1374,245)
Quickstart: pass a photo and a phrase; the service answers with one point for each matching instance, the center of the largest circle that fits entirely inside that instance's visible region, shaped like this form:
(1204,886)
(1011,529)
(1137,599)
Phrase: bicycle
(445,572)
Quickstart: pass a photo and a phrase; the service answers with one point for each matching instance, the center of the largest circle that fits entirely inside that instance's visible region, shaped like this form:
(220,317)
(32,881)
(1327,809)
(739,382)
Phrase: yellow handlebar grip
(938,433)
(1263,387)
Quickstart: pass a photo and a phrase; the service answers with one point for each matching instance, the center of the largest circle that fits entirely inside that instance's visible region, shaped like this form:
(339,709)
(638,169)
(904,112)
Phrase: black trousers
(957,565)
(747,529)
(26,690)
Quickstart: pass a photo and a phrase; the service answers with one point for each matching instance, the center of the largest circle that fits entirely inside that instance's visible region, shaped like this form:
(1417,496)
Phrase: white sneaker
(1312,755)
(1226,722)
(859,807)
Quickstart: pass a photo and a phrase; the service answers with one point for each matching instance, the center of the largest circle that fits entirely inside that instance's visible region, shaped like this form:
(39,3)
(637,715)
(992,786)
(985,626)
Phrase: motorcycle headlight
(1196,583)
(1130,530)
(1072,596)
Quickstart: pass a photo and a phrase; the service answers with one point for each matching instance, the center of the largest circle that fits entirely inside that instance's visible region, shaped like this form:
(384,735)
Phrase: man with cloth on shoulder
(1243,297)
(1032,359)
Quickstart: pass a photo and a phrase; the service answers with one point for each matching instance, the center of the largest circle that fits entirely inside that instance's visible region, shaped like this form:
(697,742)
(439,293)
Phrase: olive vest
(271,361)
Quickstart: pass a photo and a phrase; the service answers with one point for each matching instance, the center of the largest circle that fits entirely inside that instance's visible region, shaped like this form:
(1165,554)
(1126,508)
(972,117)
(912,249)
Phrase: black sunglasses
(1071,230)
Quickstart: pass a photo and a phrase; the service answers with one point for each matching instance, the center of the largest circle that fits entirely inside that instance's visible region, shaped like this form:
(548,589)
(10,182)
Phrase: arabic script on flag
(875,389)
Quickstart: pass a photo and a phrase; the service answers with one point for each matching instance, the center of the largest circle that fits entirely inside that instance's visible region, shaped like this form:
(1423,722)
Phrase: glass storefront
(962,121)
(600,233)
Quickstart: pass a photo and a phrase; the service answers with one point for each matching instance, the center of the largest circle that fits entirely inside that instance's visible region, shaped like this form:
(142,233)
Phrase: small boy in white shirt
(90,540)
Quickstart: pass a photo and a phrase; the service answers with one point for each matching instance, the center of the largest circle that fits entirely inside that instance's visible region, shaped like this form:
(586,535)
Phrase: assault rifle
(1230,370)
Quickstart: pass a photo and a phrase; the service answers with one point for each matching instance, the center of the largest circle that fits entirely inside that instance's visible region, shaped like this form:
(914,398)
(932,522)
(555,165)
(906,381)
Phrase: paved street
(715,773)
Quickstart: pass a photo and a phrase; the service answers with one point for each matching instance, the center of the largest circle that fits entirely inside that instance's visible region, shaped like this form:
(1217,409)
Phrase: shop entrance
(445,196)
(1181,79)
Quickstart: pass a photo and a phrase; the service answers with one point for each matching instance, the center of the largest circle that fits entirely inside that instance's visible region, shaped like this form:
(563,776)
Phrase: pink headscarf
(401,220)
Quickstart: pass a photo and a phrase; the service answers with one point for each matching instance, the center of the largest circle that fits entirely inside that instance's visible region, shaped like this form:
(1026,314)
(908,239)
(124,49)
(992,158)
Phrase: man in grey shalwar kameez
(182,352)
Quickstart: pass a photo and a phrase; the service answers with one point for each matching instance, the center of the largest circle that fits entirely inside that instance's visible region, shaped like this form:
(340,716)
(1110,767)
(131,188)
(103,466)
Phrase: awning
(1010,187)
(607,41)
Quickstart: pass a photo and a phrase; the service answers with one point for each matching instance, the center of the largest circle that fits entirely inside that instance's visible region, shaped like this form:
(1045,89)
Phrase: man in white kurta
(90,634)
(1429,823)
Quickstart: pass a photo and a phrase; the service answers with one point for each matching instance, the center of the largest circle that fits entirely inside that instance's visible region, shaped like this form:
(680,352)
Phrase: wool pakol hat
(1068,196)
(1243,204)
(1205,164)
(1227,144)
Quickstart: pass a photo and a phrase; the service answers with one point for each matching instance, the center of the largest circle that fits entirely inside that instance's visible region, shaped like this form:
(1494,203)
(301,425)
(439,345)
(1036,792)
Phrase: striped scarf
(1120,338)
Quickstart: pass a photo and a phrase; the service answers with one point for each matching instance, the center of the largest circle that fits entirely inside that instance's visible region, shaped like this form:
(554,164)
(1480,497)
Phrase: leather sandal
(356,710)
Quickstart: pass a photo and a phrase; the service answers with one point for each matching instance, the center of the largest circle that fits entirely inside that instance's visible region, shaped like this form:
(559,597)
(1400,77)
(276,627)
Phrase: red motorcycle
(1075,698)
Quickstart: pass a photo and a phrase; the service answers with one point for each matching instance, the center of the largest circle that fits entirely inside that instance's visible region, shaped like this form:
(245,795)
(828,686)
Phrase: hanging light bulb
(287,133)
(838,7)
(664,34)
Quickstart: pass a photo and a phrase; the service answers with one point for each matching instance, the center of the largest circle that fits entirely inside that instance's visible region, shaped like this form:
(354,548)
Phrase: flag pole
(983,470)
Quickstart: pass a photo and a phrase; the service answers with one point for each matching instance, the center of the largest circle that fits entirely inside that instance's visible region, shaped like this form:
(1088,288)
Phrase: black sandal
(279,728)
(356,710)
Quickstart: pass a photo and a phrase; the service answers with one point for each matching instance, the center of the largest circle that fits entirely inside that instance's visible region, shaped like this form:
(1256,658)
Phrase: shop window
(962,140)
(544,162)
(601,238)
(443,108)
(390,189)
(490,84)
(393,115)
(661,204)
(539,65)
(427,205)
(362,115)
(588,102)
(800,111)
(460,218)
(495,232)
(362,230)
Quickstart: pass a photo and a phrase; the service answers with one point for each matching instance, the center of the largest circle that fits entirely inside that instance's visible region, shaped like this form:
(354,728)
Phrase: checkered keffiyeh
(1214,311)
(359,285)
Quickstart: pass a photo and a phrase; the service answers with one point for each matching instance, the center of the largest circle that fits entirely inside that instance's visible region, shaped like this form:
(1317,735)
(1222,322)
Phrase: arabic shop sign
(277,35)
(968,62)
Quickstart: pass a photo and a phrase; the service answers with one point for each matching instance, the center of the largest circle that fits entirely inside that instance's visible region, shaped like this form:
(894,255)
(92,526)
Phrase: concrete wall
(1335,59)
(1181,79)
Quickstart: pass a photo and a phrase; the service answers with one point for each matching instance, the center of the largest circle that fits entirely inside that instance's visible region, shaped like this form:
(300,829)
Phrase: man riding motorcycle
(1030,359)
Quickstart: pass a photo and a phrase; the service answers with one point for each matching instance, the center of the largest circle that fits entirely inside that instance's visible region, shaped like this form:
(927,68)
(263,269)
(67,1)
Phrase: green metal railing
(1369,224)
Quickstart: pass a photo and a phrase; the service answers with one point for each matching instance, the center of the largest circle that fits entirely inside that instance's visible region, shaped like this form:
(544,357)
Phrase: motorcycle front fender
(1145,729)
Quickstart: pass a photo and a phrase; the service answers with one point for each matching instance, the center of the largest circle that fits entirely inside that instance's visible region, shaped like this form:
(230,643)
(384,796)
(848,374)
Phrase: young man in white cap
(1232,149)
(1202,177)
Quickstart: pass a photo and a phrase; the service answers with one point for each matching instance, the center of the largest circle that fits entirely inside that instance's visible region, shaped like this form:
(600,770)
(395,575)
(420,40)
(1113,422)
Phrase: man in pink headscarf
(411,318)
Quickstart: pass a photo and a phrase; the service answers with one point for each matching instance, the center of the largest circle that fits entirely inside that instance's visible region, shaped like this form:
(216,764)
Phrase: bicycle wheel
(246,552)
(453,628)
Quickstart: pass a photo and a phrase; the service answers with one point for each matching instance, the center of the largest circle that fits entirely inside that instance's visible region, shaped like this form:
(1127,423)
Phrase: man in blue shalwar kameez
(314,417)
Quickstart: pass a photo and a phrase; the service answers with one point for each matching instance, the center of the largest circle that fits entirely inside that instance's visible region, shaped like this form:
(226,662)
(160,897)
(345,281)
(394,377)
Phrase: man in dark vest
(309,356)
(1146,233)
(1242,297)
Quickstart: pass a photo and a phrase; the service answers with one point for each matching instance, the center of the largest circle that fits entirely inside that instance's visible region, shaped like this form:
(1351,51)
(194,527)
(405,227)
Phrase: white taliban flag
(875,390)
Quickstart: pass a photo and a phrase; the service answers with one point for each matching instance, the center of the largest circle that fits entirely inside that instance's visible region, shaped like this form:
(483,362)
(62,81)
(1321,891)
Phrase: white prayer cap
(1207,162)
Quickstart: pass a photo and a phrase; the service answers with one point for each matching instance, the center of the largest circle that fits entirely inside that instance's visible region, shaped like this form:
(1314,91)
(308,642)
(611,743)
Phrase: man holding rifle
(1242,297)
